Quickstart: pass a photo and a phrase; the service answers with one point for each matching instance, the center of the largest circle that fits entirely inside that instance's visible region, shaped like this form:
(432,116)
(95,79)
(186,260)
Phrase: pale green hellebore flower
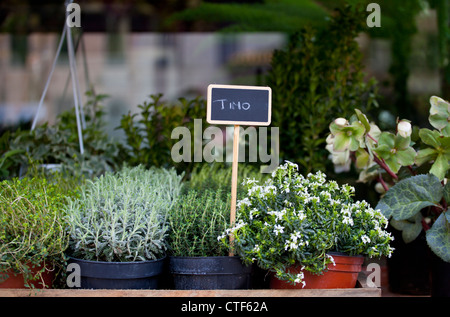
(404,128)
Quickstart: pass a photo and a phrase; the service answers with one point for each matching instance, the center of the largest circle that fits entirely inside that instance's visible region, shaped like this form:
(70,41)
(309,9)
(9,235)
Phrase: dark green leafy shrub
(148,133)
(59,144)
(317,78)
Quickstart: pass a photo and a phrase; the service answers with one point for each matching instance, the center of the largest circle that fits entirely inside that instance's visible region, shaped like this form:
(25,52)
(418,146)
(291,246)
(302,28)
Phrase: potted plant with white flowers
(307,230)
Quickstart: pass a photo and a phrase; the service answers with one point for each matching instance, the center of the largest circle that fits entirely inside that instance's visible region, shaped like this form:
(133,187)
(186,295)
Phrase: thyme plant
(195,222)
(32,227)
(121,216)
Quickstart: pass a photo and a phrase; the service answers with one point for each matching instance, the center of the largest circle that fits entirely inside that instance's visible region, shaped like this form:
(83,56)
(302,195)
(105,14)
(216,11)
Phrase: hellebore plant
(292,220)
(418,201)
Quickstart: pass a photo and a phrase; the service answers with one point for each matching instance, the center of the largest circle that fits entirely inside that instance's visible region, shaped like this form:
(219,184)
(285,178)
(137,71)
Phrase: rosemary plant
(121,217)
(196,221)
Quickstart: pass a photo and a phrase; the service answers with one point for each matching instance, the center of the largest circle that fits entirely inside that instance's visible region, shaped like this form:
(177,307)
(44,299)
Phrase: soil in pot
(342,275)
(119,275)
(203,273)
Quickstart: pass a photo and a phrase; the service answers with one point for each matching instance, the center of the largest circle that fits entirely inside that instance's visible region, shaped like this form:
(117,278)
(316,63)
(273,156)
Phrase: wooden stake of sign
(234,182)
(238,105)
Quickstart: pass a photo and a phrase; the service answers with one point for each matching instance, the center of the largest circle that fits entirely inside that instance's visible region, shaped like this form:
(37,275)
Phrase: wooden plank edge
(361,290)
(352,292)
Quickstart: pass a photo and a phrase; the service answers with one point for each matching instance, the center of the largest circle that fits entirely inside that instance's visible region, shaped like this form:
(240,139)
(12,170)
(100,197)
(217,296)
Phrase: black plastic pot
(119,275)
(203,273)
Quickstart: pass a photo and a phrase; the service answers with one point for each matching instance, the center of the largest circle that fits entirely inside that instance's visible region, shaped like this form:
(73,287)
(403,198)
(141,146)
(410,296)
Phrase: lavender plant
(121,217)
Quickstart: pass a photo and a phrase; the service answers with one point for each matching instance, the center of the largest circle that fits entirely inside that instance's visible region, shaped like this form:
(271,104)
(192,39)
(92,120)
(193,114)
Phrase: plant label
(239,105)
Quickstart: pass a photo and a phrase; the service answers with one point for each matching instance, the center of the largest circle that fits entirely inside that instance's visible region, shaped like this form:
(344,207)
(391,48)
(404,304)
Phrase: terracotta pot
(342,275)
(15,280)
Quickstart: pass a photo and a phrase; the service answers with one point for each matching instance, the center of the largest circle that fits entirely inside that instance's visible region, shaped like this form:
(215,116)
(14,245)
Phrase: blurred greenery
(318,78)
(59,144)
(267,15)
(148,133)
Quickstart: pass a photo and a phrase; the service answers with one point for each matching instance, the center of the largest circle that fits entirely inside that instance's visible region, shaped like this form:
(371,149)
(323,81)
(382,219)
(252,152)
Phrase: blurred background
(131,49)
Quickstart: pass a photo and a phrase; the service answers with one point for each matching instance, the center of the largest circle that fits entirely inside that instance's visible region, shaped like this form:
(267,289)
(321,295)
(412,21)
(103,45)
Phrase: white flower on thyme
(299,278)
(332,259)
(348,220)
(252,212)
(249,181)
(278,229)
(244,201)
(278,214)
(291,164)
(365,239)
(300,214)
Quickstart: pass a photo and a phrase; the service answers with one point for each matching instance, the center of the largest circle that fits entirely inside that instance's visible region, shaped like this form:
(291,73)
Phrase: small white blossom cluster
(295,241)
(300,218)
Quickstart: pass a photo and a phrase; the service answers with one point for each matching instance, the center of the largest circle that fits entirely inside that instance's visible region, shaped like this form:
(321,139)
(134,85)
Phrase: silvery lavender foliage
(122,217)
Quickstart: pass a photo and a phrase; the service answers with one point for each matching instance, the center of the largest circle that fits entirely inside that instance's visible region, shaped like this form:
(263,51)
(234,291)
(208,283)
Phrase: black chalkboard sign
(239,105)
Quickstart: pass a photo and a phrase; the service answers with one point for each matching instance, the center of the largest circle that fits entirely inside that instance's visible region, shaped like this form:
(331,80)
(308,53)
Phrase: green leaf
(362,158)
(401,142)
(440,166)
(425,155)
(341,142)
(406,157)
(410,228)
(430,137)
(363,119)
(447,192)
(438,237)
(388,139)
(446,130)
(409,196)
(439,113)
(393,164)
